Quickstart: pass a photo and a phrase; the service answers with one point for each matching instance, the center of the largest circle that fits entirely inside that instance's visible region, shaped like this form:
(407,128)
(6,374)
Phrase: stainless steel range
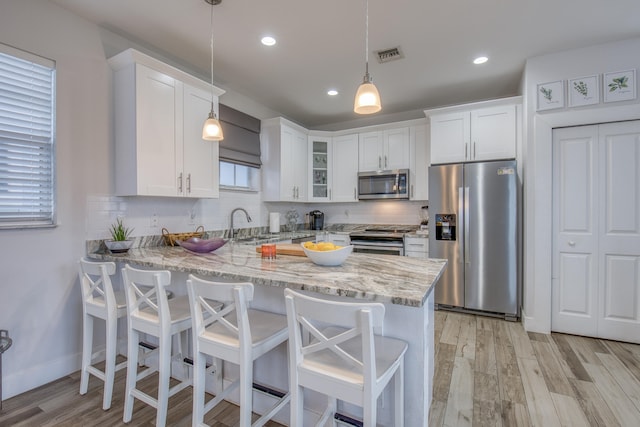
(378,240)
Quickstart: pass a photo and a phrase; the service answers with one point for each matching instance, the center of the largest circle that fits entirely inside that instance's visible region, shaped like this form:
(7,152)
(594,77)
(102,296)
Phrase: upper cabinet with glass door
(319,168)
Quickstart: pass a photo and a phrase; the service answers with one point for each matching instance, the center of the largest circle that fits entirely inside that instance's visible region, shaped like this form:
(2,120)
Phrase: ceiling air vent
(387,55)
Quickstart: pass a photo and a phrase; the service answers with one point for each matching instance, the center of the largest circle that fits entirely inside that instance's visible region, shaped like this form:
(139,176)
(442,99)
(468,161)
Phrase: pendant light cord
(366,41)
(212,58)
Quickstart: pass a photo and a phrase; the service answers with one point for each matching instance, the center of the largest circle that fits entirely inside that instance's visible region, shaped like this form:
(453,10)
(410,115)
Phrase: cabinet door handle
(188,183)
(379,162)
(355,195)
(474,149)
(297,192)
(329,194)
(465,150)
(572,243)
(386,163)
(412,191)
(180,183)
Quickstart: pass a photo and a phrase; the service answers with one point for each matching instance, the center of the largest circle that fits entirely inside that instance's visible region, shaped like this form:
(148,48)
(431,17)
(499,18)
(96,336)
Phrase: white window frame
(253,178)
(27,140)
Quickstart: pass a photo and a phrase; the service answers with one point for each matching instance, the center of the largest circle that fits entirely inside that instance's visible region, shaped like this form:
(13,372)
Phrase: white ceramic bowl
(328,258)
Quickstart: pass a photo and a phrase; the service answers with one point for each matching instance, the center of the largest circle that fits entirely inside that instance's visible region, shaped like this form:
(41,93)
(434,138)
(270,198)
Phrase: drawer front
(416,244)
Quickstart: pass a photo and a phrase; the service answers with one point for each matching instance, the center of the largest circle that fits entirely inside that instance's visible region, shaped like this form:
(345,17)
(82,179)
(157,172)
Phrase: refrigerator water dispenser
(446,227)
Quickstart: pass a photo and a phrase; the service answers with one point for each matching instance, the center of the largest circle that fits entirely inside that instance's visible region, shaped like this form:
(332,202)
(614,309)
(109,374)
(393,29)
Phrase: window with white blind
(27,136)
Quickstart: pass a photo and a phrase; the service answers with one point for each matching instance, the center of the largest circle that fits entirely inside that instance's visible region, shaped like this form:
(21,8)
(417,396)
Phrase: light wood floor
(489,372)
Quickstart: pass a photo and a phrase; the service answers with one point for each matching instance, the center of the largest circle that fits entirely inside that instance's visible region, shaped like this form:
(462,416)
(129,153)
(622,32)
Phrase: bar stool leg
(132,373)
(87,349)
(398,391)
(199,362)
(246,391)
(110,362)
(164,373)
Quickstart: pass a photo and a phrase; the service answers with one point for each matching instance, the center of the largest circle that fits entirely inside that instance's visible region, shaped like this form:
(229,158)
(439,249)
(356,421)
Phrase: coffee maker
(316,220)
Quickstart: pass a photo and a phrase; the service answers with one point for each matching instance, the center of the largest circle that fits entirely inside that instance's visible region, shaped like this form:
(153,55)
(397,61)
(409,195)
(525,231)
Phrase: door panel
(620,237)
(596,228)
(574,269)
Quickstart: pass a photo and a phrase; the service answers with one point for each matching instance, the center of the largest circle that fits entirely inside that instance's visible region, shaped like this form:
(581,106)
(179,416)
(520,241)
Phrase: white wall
(538,127)
(39,293)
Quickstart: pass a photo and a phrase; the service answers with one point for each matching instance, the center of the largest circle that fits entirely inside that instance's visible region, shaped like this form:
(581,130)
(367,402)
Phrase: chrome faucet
(233,232)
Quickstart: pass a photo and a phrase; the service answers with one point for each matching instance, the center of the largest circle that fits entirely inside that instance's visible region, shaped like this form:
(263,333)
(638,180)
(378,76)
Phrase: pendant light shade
(212,131)
(367,99)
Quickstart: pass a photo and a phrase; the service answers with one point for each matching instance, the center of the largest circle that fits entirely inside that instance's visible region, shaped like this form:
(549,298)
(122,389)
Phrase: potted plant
(119,242)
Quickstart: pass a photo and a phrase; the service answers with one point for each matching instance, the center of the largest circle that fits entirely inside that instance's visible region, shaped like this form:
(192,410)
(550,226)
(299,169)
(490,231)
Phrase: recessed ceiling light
(332,92)
(268,41)
(480,60)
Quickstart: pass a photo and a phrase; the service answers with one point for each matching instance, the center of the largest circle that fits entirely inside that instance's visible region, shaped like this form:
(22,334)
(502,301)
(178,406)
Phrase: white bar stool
(343,359)
(149,311)
(100,301)
(235,333)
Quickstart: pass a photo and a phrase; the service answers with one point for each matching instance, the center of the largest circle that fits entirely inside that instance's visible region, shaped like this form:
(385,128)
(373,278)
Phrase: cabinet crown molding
(133,56)
(474,105)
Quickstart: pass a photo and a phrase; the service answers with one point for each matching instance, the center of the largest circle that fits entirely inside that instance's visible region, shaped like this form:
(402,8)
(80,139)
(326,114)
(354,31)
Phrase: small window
(27,136)
(239,177)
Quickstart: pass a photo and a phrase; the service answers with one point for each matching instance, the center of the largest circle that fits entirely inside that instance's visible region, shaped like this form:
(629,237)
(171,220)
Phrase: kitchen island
(404,285)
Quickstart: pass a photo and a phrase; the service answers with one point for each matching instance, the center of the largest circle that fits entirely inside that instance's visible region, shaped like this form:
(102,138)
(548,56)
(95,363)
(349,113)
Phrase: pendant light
(212,131)
(367,97)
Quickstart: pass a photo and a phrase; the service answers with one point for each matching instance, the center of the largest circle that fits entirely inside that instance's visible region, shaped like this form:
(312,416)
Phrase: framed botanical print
(551,95)
(583,91)
(619,86)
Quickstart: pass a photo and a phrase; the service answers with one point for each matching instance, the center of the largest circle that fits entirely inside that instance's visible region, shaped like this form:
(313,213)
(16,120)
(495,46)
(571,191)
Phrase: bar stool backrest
(319,325)
(98,297)
(147,302)
(228,324)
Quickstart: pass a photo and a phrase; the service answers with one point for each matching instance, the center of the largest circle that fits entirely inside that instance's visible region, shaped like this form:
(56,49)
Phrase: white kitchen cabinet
(344,186)
(333,168)
(320,168)
(474,135)
(416,247)
(284,156)
(159,112)
(384,150)
(420,160)
(341,239)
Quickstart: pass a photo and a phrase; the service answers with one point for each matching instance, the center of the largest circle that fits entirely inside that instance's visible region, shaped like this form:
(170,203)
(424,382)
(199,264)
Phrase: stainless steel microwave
(391,184)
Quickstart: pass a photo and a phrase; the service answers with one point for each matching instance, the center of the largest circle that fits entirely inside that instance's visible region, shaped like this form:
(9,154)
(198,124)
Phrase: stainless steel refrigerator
(474,224)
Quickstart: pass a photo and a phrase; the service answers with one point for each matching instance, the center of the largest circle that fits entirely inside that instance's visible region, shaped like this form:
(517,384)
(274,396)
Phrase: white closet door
(619,210)
(575,263)
(596,229)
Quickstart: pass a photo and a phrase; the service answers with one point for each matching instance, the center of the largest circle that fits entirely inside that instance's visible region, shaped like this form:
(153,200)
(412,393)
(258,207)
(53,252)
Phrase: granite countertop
(382,278)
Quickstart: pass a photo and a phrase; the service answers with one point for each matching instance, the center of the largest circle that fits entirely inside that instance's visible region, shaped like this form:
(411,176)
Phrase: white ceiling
(321,45)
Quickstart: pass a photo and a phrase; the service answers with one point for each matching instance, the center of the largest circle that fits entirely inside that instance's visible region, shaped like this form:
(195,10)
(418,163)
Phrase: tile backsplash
(148,215)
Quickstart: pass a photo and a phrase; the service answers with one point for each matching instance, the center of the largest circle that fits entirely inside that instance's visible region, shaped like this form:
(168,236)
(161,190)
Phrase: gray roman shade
(241,143)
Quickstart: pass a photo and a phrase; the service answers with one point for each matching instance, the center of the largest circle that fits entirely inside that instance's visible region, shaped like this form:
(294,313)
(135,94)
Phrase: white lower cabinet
(159,113)
(340,239)
(416,247)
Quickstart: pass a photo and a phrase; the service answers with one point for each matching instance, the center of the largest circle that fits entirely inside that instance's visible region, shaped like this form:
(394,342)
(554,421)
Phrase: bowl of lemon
(326,253)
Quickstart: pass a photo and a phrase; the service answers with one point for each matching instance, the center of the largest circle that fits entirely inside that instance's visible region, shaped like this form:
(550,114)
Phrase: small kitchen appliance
(316,220)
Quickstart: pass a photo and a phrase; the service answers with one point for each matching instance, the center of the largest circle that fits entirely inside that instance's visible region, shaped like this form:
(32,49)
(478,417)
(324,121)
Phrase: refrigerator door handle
(467,259)
(461,236)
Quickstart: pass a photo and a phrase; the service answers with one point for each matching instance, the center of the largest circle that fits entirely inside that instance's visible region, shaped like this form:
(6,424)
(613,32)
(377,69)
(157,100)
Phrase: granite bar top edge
(381,278)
